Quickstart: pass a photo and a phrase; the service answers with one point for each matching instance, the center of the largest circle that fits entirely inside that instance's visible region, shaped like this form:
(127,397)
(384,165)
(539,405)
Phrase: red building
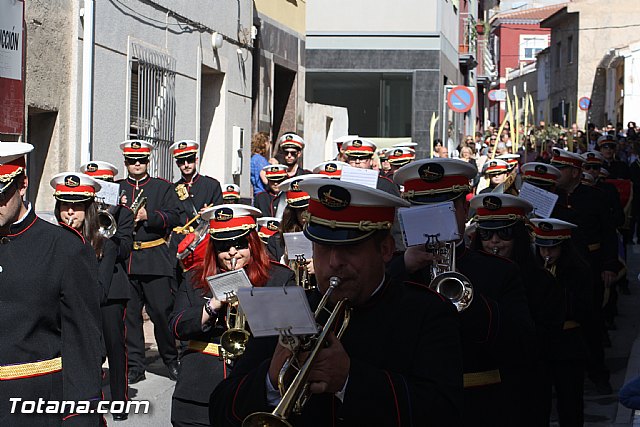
(517,37)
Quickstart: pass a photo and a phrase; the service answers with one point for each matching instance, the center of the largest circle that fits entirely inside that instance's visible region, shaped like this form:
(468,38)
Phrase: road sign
(460,99)
(497,95)
(584,103)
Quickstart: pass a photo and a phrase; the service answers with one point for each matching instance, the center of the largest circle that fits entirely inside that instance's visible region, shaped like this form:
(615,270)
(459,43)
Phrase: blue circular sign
(460,99)
(584,103)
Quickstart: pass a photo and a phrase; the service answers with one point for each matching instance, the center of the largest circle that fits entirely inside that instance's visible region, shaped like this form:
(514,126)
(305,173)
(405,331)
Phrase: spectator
(260,147)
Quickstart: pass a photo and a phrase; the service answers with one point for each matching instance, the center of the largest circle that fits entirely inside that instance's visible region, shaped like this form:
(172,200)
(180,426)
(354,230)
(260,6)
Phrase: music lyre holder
(229,295)
(287,339)
(432,241)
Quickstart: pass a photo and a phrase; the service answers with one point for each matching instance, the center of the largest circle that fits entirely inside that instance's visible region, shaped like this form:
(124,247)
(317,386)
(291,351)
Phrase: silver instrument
(445,280)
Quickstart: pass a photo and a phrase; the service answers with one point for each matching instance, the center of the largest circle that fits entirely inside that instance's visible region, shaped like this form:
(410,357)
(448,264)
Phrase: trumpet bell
(234,341)
(107,224)
(454,286)
(265,419)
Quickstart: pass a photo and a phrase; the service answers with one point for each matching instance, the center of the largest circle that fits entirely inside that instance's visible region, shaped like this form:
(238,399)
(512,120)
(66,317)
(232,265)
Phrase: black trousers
(155,294)
(567,376)
(114,334)
(189,413)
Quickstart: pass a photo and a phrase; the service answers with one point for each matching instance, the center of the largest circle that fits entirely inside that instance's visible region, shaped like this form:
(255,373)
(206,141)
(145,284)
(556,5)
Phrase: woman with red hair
(198,317)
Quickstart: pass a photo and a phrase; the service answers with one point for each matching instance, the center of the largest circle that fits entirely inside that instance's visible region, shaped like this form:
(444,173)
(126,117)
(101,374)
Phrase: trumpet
(298,265)
(107,223)
(295,393)
(234,339)
(550,268)
(138,204)
(445,280)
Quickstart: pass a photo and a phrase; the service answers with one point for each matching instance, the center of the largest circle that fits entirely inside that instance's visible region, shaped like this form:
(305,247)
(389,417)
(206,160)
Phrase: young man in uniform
(151,267)
(272,202)
(50,313)
(291,146)
(497,329)
(351,382)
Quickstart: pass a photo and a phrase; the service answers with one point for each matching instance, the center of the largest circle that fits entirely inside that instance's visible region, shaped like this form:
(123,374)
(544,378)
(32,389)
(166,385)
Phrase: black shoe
(120,417)
(136,376)
(174,370)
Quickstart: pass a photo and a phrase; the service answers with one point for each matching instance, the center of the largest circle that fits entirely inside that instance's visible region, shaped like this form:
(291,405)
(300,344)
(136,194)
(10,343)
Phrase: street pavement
(623,360)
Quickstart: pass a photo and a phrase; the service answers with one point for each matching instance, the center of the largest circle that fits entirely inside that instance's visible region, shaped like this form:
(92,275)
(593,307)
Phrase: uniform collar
(23,223)
(133,181)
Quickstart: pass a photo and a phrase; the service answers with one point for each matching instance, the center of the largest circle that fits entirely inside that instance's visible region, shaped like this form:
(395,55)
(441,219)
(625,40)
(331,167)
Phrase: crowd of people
(539,292)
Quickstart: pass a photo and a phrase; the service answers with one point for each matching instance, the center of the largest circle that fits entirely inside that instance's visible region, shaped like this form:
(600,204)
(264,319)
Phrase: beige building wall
(597,36)
(292,14)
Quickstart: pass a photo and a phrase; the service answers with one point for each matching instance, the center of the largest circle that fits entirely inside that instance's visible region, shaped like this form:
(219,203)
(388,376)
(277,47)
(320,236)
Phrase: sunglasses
(142,161)
(292,153)
(591,167)
(357,159)
(609,146)
(190,159)
(505,233)
(225,245)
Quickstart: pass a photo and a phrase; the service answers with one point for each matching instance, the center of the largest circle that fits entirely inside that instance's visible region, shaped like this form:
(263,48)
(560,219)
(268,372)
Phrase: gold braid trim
(454,189)
(510,217)
(360,225)
(30,369)
(239,227)
(538,236)
(69,193)
(7,178)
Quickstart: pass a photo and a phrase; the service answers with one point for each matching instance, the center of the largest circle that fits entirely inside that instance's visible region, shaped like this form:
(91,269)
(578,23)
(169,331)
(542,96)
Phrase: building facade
(102,72)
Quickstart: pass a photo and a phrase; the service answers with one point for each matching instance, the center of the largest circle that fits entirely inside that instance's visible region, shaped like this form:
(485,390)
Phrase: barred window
(152,105)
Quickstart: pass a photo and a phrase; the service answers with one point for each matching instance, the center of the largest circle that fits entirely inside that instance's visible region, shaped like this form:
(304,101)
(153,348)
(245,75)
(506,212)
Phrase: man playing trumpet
(358,379)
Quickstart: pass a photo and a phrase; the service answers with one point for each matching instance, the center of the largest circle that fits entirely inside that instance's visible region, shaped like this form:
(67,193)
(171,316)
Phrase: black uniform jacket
(617,169)
(201,372)
(203,190)
(613,202)
(112,273)
(594,219)
(164,213)
(497,327)
(406,367)
(275,247)
(50,307)
(268,202)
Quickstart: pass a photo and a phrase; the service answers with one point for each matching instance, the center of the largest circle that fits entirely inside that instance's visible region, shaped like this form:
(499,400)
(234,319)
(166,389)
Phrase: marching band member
(291,146)
(590,212)
(567,361)
(272,202)
(359,153)
(50,307)
(497,329)
(496,171)
(350,383)
(332,168)
(501,231)
(267,227)
(198,317)
(195,191)
(231,194)
(398,157)
(113,309)
(151,266)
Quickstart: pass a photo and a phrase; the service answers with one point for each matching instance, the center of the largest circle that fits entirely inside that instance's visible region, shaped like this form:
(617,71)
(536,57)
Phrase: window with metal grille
(152,105)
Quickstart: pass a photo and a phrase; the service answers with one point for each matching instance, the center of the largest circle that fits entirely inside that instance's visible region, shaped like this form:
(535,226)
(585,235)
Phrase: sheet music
(108,193)
(298,244)
(418,222)
(274,309)
(225,285)
(543,201)
(368,177)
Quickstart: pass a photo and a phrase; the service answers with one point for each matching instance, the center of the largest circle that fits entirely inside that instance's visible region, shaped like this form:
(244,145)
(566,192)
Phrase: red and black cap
(344,213)
(332,169)
(593,158)
(296,198)
(607,139)
(435,180)
(511,159)
(275,173)
(291,140)
(230,221)
(551,231)
(100,170)
(359,147)
(498,210)
(136,149)
(231,192)
(74,187)
(184,149)
(12,162)
(401,156)
(540,174)
(495,167)
(564,158)
(267,227)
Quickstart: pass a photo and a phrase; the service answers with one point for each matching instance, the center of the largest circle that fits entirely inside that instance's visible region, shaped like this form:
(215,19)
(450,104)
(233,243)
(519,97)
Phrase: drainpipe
(87,81)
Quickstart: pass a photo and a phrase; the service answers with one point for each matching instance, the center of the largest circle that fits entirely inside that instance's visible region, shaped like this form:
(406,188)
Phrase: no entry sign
(460,99)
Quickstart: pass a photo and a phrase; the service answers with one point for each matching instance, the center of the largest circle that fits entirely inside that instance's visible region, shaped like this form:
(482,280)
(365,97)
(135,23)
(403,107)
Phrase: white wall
(320,132)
